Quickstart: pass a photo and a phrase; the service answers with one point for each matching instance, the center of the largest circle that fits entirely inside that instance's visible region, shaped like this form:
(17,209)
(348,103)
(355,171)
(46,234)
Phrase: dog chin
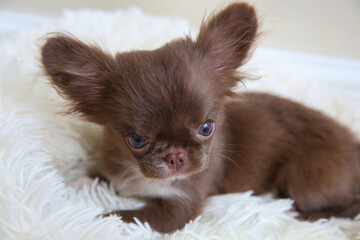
(179,176)
(170,175)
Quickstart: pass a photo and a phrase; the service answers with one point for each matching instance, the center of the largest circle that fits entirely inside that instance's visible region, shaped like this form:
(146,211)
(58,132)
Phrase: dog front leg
(163,215)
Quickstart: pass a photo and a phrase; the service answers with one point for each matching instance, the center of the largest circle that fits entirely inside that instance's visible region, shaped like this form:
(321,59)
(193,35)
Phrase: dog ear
(228,35)
(79,72)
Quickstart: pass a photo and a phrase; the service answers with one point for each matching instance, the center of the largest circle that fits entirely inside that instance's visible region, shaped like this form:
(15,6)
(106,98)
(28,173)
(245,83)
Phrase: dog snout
(176,159)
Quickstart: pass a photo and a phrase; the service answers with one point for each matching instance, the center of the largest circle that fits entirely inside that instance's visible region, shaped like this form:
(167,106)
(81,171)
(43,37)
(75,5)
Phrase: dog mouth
(176,170)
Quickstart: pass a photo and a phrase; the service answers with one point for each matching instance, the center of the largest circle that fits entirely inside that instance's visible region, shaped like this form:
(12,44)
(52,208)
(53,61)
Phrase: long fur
(40,149)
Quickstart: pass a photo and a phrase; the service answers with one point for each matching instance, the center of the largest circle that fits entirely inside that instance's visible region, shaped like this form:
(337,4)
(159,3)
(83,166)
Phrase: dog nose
(176,159)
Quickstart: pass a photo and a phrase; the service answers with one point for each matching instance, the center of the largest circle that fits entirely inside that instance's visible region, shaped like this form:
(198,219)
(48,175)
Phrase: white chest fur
(133,183)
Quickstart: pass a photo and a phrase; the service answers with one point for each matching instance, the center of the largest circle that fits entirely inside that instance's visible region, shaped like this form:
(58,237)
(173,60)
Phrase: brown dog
(175,133)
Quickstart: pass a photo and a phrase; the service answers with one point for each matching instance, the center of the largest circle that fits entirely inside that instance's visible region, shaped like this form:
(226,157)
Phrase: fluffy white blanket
(41,149)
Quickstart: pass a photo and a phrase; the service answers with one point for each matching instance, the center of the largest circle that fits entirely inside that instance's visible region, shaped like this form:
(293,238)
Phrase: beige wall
(321,26)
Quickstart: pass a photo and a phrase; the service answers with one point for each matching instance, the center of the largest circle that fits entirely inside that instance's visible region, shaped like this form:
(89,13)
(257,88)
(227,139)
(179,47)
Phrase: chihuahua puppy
(176,133)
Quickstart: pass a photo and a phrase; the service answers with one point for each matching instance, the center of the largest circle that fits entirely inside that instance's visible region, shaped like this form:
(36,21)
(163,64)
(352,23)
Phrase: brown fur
(261,142)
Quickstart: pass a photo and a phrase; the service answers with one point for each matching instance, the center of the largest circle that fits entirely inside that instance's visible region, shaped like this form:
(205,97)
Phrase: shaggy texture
(41,149)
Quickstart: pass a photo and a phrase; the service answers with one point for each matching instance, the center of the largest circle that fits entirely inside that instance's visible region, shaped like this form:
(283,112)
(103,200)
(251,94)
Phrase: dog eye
(206,129)
(136,141)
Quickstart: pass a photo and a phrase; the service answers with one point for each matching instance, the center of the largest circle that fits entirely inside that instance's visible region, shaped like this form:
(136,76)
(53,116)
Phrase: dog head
(164,106)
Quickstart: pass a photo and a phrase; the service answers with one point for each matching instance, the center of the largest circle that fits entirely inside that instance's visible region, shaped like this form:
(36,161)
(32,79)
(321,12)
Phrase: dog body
(175,132)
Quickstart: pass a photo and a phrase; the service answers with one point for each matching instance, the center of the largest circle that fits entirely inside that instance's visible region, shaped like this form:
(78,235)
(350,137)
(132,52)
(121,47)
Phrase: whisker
(232,161)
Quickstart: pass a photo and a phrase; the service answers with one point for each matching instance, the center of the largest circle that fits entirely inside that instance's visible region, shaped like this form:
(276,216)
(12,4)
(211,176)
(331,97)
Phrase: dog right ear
(79,72)
(226,37)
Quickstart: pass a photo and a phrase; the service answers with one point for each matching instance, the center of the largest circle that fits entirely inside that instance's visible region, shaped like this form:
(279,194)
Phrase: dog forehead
(163,110)
(159,81)
(163,65)
(167,108)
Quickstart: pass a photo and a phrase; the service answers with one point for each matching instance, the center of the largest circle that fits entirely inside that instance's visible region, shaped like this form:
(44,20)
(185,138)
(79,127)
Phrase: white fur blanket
(41,149)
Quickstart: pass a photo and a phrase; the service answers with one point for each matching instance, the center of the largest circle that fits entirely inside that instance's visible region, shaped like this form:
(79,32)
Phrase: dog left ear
(228,35)
(80,72)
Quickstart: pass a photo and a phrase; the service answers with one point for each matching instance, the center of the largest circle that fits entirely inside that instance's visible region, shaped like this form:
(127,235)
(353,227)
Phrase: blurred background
(326,27)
